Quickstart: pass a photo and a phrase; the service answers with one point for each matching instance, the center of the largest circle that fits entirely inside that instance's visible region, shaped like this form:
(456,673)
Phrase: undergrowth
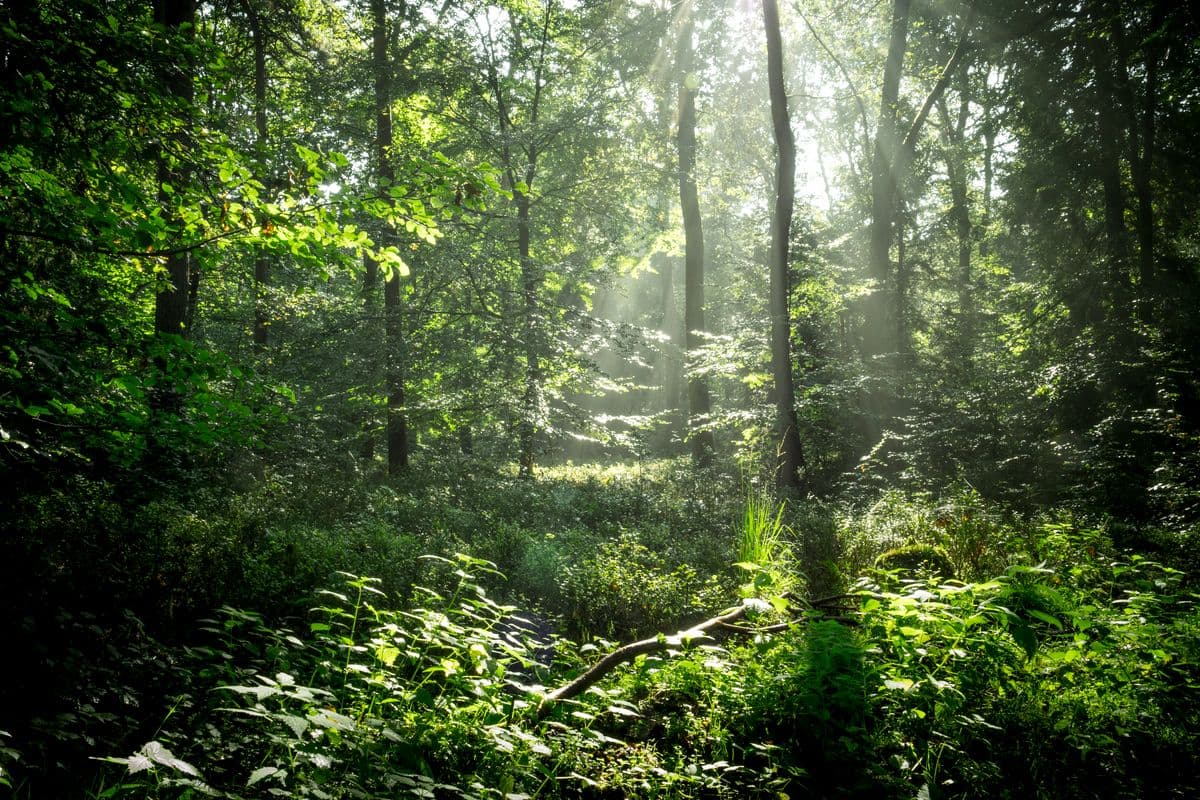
(1051,662)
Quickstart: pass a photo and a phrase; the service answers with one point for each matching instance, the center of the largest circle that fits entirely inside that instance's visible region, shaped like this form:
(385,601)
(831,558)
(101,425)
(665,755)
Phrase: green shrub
(917,561)
(821,548)
(371,703)
(626,591)
(807,708)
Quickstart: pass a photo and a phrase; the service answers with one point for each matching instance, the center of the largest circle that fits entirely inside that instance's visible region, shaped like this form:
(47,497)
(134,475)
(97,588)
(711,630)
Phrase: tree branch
(628,652)
(910,140)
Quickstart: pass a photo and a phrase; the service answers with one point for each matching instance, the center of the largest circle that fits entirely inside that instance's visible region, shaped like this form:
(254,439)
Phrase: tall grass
(761,536)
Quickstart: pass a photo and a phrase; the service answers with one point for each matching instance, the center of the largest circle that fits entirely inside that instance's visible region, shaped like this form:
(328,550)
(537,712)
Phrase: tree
(790,454)
(699,404)
(176,299)
(886,339)
(397,423)
(262,263)
(520,170)
(953,130)
(877,337)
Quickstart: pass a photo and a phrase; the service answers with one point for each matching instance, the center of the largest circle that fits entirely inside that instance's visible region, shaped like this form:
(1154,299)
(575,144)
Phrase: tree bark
(954,148)
(790,454)
(530,280)
(172,313)
(989,169)
(1110,132)
(668,363)
(699,403)
(370,351)
(1144,168)
(886,337)
(531,276)
(171,303)
(262,263)
(397,423)
(877,337)
(520,179)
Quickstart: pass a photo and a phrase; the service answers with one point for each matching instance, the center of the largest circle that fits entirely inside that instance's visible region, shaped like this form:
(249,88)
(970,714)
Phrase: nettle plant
(962,667)
(373,702)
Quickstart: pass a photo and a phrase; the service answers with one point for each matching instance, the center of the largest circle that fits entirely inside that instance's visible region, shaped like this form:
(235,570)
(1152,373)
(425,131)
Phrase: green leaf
(298,725)
(161,755)
(260,773)
(1024,636)
(387,654)
(1044,617)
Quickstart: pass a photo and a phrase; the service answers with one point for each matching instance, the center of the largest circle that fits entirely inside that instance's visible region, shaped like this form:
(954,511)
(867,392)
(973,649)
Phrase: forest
(599,399)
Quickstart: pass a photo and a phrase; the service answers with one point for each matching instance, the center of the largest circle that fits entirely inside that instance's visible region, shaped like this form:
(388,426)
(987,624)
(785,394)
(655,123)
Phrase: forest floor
(351,638)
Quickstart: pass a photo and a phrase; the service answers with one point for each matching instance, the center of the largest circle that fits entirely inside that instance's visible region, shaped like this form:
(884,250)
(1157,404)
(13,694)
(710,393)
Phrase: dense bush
(626,591)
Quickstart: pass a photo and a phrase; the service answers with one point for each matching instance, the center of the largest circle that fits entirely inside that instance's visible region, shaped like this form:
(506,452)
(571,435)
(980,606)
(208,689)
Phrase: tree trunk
(531,278)
(668,363)
(902,282)
(262,263)
(699,405)
(1144,168)
(397,423)
(397,419)
(370,352)
(877,338)
(171,303)
(790,454)
(886,338)
(989,169)
(1110,132)
(531,398)
(954,147)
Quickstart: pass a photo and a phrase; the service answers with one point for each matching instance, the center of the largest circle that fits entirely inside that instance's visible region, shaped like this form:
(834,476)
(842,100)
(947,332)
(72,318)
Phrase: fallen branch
(628,652)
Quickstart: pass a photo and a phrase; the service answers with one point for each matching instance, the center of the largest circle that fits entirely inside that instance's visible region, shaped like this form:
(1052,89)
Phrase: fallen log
(627,652)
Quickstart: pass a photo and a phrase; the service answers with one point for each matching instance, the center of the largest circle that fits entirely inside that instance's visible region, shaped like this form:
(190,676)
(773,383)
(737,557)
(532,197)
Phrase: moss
(919,560)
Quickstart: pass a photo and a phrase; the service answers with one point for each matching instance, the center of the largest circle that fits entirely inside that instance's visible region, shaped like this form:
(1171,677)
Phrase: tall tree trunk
(699,404)
(989,168)
(886,338)
(790,454)
(531,275)
(397,423)
(171,303)
(877,338)
(954,148)
(370,352)
(397,418)
(902,281)
(262,263)
(531,398)
(1110,133)
(668,363)
(1144,168)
